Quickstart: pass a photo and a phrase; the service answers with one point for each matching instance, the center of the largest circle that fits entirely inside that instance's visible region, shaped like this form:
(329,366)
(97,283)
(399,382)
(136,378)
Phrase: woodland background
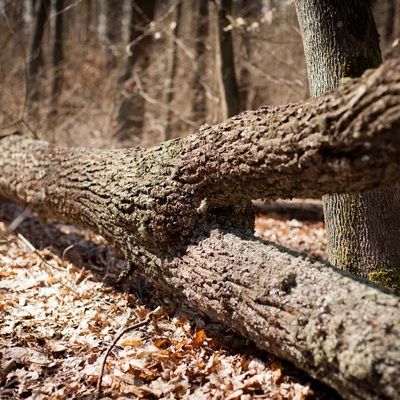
(85,93)
(60,306)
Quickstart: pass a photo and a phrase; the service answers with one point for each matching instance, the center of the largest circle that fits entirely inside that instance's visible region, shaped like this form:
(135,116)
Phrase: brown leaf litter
(60,311)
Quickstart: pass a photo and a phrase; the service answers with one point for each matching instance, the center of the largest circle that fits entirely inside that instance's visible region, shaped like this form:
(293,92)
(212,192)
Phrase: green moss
(386,277)
(356,66)
(112,174)
(170,146)
(142,230)
(344,81)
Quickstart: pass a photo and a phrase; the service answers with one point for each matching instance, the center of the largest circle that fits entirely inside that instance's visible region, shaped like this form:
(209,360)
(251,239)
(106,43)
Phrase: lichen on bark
(182,213)
(386,277)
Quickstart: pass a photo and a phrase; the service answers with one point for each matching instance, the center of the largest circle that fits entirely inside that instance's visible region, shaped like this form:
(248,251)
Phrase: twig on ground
(114,342)
(49,266)
(33,249)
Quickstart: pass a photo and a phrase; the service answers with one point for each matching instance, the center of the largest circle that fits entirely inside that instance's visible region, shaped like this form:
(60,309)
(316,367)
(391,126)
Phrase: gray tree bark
(181,212)
(363,230)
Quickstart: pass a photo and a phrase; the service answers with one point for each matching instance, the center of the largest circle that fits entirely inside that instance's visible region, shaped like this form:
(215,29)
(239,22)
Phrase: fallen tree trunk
(182,213)
(306,210)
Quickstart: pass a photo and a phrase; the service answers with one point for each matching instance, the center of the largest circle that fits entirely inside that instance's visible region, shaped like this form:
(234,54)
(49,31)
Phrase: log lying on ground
(182,212)
(306,210)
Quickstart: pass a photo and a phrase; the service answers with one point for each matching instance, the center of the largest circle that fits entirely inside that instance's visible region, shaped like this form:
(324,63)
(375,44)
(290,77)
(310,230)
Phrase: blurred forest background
(117,73)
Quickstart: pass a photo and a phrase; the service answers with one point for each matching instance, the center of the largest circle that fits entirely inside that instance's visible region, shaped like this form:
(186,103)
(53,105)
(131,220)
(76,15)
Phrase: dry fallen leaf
(131,341)
(56,324)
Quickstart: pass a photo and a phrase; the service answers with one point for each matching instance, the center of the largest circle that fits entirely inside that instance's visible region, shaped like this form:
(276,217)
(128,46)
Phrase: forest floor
(60,311)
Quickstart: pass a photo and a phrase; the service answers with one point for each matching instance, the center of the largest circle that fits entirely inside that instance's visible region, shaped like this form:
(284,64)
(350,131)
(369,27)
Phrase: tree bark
(86,31)
(229,89)
(181,212)
(252,11)
(363,230)
(170,73)
(35,55)
(58,53)
(114,13)
(131,107)
(390,21)
(202,33)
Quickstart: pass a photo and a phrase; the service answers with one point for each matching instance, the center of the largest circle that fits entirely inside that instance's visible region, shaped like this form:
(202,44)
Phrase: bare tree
(35,55)
(131,107)
(88,20)
(182,212)
(251,11)
(58,53)
(13,11)
(172,59)
(225,60)
(390,21)
(199,100)
(114,12)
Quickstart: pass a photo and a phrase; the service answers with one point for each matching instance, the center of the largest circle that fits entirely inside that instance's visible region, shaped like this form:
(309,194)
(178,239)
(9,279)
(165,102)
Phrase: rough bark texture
(340,40)
(181,212)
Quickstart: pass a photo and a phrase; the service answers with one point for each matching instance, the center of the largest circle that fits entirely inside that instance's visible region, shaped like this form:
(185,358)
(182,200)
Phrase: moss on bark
(354,67)
(386,277)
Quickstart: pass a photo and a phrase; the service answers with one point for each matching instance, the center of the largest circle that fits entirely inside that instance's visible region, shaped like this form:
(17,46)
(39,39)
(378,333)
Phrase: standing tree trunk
(114,11)
(390,21)
(251,11)
(199,100)
(172,59)
(142,13)
(86,20)
(225,60)
(130,112)
(14,10)
(35,56)
(341,41)
(58,53)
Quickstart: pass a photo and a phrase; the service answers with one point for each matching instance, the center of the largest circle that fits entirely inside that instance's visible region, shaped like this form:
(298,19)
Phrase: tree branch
(181,212)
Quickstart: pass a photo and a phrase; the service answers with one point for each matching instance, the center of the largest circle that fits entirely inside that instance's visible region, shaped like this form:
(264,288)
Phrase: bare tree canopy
(181,211)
